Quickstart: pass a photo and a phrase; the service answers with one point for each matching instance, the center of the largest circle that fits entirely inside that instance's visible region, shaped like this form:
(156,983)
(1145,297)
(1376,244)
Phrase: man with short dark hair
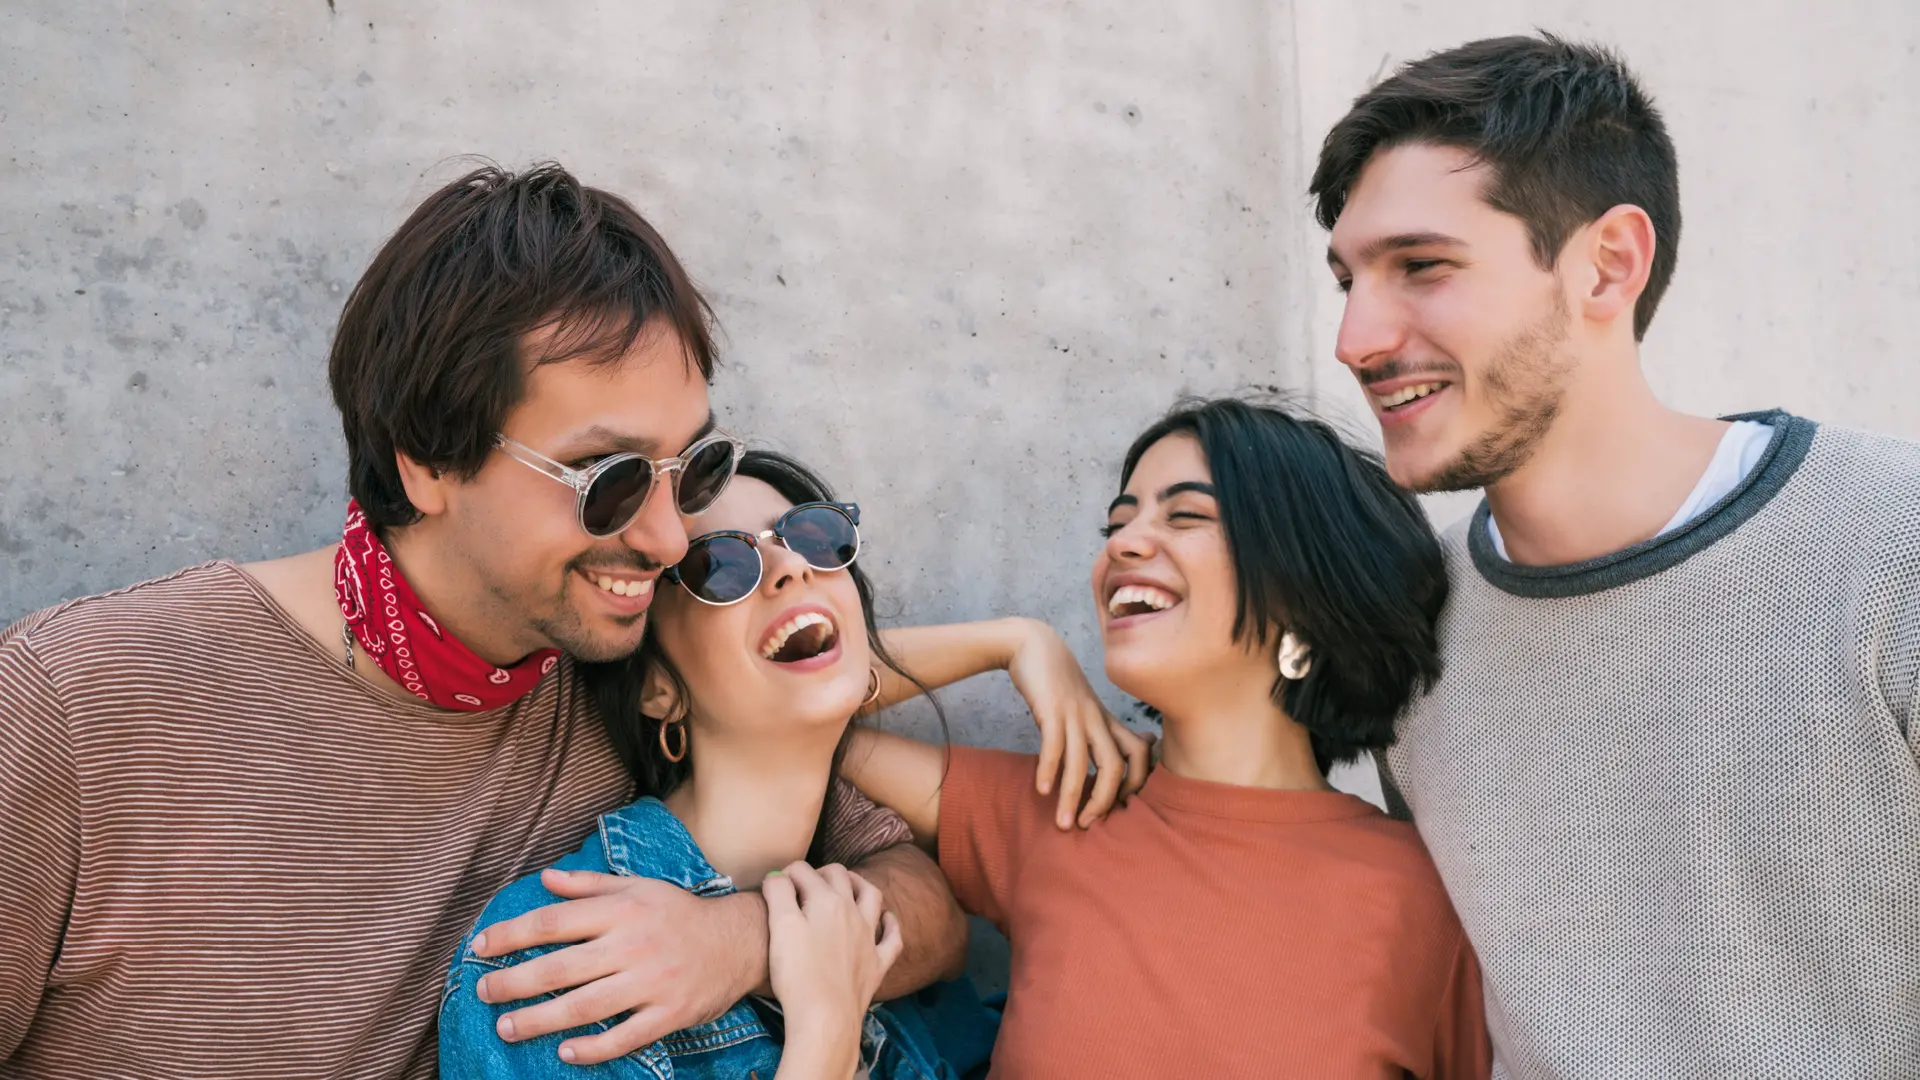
(1669,772)
(250,811)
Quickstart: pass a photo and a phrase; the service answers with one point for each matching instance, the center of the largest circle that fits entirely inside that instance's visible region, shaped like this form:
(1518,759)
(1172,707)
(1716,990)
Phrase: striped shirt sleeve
(857,827)
(39,835)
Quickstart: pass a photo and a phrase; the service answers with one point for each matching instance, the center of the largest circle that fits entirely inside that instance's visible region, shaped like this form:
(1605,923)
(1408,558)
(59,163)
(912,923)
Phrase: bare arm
(900,774)
(933,929)
(940,656)
(831,944)
(1075,729)
(675,959)
(639,939)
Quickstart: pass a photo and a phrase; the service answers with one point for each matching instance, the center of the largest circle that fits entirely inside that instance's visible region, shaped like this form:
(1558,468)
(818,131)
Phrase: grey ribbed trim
(1788,448)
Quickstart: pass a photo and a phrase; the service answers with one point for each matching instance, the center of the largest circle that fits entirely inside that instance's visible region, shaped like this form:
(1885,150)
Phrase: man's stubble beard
(570,636)
(564,626)
(1524,385)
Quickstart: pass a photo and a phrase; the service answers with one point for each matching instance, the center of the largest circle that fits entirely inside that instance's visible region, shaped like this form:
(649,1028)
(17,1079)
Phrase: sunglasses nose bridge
(666,474)
(781,564)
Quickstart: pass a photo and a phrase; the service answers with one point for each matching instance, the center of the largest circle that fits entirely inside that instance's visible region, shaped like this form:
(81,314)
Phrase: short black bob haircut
(617,685)
(1565,130)
(1323,544)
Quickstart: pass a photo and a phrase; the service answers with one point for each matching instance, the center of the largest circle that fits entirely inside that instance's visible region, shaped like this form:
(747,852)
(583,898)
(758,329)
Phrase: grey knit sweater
(1673,791)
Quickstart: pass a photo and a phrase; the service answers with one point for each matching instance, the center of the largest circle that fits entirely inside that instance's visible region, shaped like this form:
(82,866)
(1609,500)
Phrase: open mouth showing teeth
(621,586)
(802,637)
(1407,395)
(1139,600)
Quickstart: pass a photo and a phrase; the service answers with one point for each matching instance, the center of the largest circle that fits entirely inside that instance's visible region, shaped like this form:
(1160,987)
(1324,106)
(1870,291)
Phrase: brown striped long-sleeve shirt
(223,854)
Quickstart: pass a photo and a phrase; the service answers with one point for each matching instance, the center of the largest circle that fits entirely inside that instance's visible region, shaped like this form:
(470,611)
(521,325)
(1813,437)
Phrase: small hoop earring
(1296,657)
(873,688)
(678,752)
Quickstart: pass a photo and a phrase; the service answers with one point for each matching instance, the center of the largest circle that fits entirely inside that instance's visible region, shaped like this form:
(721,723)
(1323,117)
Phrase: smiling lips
(621,586)
(1128,600)
(1406,395)
(802,637)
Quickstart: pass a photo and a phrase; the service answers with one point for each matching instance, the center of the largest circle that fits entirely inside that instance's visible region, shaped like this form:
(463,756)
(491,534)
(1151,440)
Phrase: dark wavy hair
(1323,544)
(429,357)
(1564,129)
(617,686)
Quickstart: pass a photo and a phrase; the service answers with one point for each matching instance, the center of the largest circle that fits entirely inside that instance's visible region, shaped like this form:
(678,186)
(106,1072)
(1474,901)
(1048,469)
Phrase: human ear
(660,695)
(1619,247)
(426,487)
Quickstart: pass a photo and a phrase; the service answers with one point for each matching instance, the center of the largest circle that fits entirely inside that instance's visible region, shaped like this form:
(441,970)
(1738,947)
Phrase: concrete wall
(961,253)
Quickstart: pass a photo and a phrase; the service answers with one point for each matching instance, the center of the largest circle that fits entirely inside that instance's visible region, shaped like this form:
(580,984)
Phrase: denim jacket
(898,1041)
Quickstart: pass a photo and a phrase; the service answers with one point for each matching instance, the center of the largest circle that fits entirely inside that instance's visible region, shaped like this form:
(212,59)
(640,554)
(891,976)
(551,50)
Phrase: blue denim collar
(645,839)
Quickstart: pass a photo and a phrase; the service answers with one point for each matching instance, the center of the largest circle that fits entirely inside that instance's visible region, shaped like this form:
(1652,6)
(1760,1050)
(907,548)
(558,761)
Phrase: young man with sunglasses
(250,811)
(1668,774)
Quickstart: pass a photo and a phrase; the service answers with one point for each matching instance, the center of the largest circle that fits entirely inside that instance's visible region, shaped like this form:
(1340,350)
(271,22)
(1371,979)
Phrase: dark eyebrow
(605,440)
(1196,486)
(1199,487)
(1399,241)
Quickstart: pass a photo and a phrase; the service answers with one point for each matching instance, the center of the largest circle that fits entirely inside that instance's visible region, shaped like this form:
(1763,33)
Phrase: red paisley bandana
(395,631)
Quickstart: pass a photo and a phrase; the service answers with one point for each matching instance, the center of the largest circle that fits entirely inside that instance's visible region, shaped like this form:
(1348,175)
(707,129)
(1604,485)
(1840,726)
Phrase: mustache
(1397,368)
(638,564)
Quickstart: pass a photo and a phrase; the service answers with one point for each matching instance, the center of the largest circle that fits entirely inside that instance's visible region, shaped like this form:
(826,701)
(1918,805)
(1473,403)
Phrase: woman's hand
(1074,727)
(830,942)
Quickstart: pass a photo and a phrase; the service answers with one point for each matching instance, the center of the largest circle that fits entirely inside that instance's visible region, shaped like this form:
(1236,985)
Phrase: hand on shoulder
(1075,729)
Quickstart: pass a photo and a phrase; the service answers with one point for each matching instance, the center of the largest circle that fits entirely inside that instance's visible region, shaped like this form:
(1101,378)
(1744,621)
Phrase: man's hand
(1074,726)
(647,947)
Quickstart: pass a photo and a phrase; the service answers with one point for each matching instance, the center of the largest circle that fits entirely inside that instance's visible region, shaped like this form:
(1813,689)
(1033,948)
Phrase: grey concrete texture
(959,259)
(960,253)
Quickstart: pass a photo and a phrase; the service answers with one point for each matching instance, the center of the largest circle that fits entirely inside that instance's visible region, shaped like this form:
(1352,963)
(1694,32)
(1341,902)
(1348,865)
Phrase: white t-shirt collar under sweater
(1739,451)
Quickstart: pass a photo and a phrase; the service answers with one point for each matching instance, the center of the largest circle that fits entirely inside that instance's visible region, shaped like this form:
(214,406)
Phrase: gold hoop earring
(1296,658)
(873,688)
(678,752)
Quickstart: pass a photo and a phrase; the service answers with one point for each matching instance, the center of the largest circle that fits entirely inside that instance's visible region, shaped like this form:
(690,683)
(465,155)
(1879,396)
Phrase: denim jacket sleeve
(470,1047)
(645,840)
(641,840)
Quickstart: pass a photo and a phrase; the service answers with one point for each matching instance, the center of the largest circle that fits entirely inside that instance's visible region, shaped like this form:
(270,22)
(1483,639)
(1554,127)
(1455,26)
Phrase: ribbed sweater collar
(1792,437)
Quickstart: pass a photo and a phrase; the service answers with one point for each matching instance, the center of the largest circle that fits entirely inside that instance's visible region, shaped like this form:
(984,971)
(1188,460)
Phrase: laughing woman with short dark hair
(1271,596)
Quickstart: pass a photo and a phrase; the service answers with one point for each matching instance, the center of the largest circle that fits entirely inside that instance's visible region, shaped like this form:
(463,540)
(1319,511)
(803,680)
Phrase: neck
(1234,733)
(303,585)
(1613,470)
(456,597)
(752,802)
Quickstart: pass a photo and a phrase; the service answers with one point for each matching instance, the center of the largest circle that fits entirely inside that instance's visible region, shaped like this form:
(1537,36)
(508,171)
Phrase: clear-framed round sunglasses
(610,492)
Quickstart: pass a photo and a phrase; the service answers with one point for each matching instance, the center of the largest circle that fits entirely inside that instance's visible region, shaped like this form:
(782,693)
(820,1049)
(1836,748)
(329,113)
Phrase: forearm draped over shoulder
(39,837)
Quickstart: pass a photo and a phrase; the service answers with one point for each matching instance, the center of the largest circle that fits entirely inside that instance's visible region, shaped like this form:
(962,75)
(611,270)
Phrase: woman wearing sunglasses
(1269,593)
(731,718)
